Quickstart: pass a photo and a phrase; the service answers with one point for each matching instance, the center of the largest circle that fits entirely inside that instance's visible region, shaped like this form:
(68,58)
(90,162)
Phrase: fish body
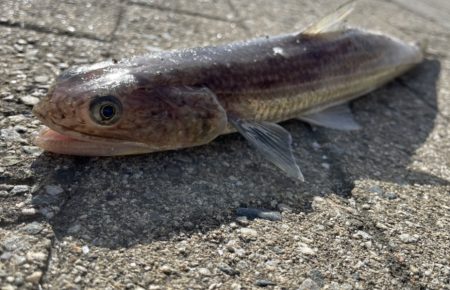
(184,98)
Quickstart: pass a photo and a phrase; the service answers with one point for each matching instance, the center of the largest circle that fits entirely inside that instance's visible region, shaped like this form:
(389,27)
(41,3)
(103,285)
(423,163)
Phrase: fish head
(112,110)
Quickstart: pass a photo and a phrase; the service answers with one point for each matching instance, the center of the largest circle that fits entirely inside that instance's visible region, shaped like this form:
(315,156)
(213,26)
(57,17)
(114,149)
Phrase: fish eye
(105,110)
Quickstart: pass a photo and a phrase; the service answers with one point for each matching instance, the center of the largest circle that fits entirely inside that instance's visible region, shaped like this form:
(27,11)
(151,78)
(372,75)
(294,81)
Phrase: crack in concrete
(46,267)
(240,22)
(52,30)
(183,12)
(121,12)
(427,18)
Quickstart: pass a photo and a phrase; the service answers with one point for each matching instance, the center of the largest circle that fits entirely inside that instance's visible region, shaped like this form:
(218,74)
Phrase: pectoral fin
(332,21)
(273,142)
(338,117)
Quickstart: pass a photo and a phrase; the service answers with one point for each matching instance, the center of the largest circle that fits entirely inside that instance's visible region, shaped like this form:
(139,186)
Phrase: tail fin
(332,21)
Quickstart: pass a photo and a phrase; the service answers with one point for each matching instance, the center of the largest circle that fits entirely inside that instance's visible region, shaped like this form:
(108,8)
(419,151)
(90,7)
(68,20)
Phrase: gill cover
(176,117)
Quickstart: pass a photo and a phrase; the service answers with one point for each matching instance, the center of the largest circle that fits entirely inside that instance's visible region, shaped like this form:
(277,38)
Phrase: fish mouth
(84,145)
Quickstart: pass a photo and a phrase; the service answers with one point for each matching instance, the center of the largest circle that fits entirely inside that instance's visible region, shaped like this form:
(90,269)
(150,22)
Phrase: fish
(183,98)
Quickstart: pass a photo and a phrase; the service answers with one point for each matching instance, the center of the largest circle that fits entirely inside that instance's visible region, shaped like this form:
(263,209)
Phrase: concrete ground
(374,212)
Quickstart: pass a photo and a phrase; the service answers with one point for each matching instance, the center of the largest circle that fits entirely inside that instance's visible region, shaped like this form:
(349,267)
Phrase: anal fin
(338,117)
(273,142)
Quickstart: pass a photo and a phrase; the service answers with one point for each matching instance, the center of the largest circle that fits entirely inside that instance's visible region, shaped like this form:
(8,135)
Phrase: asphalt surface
(374,212)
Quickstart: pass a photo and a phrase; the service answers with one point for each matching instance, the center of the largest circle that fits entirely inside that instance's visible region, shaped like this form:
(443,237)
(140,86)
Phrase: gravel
(372,214)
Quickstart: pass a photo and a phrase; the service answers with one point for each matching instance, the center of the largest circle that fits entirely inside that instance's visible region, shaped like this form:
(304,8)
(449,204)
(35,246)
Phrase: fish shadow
(123,201)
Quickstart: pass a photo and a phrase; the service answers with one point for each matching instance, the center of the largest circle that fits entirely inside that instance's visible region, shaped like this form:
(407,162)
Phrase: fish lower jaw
(55,142)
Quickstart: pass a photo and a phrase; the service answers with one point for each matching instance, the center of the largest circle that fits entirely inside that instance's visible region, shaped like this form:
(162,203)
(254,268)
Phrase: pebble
(376,189)
(326,165)
(284,207)
(19,189)
(264,283)
(33,150)
(204,271)
(29,100)
(5,256)
(242,220)
(309,284)
(228,270)
(390,195)
(409,239)
(74,229)
(253,213)
(306,250)
(166,269)
(34,278)
(362,235)
(41,79)
(36,256)
(29,211)
(248,233)
(53,189)
(85,249)
(10,134)
(33,228)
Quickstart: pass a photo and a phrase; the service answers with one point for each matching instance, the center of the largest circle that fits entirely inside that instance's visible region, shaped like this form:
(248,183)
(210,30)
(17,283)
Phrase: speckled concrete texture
(374,212)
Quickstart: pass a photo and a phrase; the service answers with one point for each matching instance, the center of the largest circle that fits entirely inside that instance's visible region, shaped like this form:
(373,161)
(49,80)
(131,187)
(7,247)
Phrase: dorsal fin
(332,21)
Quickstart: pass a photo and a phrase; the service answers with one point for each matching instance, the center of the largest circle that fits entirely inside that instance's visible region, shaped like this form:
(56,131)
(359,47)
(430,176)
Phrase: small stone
(236,286)
(264,283)
(19,48)
(316,146)
(19,281)
(29,100)
(376,189)
(41,79)
(10,134)
(252,213)
(231,246)
(242,220)
(306,250)
(362,235)
(365,206)
(74,229)
(247,233)
(34,278)
(6,256)
(19,189)
(28,211)
(166,269)
(325,165)
(408,239)
(309,284)
(228,270)
(85,249)
(36,257)
(284,207)
(33,150)
(53,189)
(381,226)
(204,271)
(390,195)
(33,228)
